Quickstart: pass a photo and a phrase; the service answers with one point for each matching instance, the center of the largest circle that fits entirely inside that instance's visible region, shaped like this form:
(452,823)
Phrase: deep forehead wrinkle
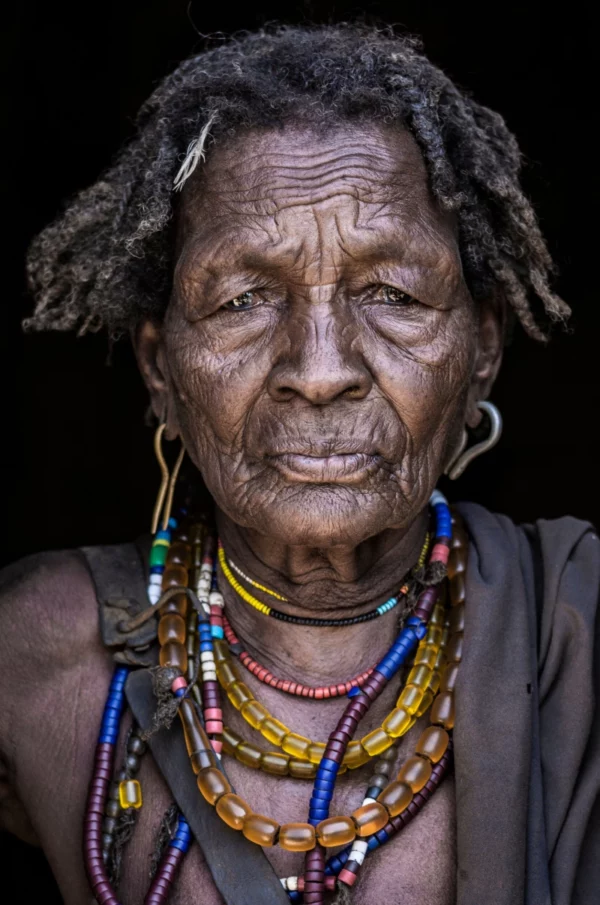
(311,168)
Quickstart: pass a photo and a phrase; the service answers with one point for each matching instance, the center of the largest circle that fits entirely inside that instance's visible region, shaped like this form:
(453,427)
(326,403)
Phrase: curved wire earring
(464,457)
(166,492)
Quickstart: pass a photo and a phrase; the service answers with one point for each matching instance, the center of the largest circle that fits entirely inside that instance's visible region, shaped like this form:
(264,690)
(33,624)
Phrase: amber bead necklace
(215,788)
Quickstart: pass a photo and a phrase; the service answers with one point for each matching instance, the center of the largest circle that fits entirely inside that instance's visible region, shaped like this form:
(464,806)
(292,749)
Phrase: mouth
(339,468)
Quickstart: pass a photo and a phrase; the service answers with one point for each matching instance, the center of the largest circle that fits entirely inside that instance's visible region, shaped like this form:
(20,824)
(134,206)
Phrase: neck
(335,582)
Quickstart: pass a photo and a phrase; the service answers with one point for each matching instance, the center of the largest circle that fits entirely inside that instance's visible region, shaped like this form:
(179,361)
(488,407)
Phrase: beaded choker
(228,566)
(193,646)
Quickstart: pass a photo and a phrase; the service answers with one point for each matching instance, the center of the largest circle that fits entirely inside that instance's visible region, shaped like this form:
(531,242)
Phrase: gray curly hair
(107,261)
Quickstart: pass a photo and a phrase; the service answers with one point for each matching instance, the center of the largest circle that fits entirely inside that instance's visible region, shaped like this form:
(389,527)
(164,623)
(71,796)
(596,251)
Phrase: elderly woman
(316,243)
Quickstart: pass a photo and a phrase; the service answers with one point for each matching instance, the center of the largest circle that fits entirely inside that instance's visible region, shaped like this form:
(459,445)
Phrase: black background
(77,459)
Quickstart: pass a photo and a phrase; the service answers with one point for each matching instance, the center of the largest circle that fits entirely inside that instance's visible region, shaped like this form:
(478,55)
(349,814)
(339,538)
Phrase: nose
(322,363)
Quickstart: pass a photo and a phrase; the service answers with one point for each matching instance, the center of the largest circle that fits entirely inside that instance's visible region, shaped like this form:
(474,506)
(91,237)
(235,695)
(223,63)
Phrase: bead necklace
(293,762)
(306,620)
(370,817)
(320,692)
(367,819)
(289,687)
(276,595)
(414,700)
(96,842)
(124,793)
(335,864)
(203,756)
(208,622)
(96,805)
(232,807)
(173,653)
(398,722)
(364,847)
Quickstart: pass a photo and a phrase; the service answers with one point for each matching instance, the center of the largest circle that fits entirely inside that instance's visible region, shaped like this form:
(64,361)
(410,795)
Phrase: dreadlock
(107,261)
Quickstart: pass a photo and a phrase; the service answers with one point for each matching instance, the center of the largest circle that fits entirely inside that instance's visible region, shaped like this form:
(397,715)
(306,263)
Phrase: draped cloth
(527,732)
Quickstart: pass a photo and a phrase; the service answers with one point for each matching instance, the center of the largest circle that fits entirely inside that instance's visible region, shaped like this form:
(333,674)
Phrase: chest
(415,866)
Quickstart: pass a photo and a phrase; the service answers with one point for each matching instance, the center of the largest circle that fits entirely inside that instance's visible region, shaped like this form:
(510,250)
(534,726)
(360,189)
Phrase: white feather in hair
(195,153)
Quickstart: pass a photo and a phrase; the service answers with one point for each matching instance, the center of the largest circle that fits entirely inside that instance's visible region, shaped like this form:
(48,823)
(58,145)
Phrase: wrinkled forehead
(376,170)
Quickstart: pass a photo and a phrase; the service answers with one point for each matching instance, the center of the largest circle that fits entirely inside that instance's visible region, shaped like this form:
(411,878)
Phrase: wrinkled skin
(319,358)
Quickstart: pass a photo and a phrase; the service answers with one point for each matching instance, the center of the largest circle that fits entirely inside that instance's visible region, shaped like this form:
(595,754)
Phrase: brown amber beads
(297,837)
(213,784)
(415,772)
(171,627)
(433,743)
(336,831)
(260,829)
(396,797)
(370,818)
(430,675)
(233,810)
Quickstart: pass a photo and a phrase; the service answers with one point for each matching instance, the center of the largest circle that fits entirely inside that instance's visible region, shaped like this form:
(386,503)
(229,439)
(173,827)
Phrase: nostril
(354,391)
(284,393)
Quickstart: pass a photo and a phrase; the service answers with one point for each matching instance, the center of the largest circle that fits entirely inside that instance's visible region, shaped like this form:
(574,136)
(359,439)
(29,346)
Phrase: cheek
(425,373)
(215,386)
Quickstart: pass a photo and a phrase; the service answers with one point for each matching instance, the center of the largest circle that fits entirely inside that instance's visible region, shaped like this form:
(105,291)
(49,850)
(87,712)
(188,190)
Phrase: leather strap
(239,868)
(119,578)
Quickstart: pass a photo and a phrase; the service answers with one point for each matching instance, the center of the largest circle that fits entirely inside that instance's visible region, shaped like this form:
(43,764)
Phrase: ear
(490,344)
(152,361)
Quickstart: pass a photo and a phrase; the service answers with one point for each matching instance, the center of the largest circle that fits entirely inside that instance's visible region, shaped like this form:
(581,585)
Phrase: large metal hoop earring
(166,492)
(465,456)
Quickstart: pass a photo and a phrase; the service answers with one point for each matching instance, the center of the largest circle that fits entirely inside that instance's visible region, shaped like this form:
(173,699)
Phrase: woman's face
(321,351)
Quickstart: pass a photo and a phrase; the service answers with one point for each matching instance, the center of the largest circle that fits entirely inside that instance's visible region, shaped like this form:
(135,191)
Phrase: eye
(391,295)
(241,302)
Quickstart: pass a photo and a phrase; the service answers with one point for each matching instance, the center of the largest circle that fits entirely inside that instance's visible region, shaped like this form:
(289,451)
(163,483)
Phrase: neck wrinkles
(323,583)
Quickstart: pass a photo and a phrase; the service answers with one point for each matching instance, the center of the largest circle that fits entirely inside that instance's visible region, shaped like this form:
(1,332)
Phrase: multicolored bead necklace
(358,752)
(199,641)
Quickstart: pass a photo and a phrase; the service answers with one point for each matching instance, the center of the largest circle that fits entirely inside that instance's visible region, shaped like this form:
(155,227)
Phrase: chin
(321,516)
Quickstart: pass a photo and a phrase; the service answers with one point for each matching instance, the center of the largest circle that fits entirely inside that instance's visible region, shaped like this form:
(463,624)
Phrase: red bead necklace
(287,685)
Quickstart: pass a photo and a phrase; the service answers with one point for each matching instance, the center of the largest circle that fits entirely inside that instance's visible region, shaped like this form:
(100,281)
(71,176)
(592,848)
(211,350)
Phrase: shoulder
(558,562)
(563,551)
(52,598)
(48,628)
(558,537)
(47,601)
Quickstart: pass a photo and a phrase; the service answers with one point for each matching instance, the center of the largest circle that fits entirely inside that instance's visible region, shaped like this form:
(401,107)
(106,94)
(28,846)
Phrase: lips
(336,468)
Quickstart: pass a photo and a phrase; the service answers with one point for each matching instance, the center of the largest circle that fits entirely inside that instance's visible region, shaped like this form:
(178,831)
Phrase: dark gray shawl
(527,734)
